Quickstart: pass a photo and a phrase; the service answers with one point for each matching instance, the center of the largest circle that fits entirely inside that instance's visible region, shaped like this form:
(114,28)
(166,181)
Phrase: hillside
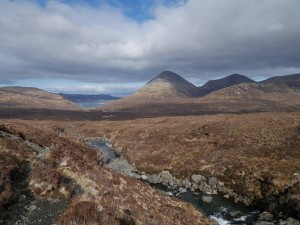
(27,97)
(50,176)
(231,80)
(269,91)
(292,80)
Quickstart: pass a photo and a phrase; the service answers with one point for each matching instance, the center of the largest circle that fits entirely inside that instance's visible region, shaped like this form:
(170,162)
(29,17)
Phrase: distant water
(92,104)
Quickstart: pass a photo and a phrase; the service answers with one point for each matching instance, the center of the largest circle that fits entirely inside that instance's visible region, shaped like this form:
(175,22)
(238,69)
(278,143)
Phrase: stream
(223,211)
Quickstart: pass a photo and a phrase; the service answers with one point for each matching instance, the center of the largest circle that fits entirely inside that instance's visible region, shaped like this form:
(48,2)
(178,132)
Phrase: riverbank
(202,193)
(256,156)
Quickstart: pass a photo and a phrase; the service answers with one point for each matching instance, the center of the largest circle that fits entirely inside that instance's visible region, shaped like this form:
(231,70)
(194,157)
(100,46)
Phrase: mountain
(256,90)
(167,84)
(87,98)
(170,94)
(262,96)
(292,80)
(214,85)
(28,97)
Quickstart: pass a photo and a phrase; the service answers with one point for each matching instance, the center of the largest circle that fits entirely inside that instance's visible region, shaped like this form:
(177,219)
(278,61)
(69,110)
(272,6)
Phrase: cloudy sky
(115,46)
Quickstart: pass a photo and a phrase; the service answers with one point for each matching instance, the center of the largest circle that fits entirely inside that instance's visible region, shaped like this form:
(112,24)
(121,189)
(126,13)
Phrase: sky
(116,46)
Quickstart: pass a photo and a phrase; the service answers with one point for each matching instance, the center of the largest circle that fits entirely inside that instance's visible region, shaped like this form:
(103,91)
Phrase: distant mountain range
(236,90)
(168,84)
(87,98)
(169,91)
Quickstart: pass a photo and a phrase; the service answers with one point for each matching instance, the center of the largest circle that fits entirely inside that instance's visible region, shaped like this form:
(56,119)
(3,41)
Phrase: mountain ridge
(292,80)
(234,90)
(230,80)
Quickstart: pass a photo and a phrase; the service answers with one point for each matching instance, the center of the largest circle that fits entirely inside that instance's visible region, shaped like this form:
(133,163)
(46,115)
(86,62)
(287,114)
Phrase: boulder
(144,177)
(195,178)
(186,183)
(213,181)
(31,208)
(154,179)
(235,213)
(206,199)
(266,216)
(166,176)
(119,150)
(182,190)
(135,175)
(221,184)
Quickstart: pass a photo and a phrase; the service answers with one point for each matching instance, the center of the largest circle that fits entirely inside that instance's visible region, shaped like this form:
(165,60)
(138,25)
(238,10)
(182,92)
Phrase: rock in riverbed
(196,178)
(213,181)
(154,179)
(144,177)
(206,199)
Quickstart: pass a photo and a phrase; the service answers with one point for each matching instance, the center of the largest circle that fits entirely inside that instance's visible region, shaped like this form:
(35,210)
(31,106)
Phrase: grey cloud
(201,39)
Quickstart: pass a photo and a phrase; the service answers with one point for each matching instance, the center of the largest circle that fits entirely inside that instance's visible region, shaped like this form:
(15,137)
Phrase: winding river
(222,210)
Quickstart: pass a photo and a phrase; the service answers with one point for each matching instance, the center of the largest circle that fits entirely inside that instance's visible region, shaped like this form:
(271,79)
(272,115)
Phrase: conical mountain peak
(168,84)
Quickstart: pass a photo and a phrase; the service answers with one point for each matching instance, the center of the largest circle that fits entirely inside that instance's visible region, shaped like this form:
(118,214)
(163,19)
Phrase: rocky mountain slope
(25,97)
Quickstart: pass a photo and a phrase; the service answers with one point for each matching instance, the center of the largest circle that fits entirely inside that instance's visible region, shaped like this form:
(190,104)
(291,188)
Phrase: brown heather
(104,198)
(256,155)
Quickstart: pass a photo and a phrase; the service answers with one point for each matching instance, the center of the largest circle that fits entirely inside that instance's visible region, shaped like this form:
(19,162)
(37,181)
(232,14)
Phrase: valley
(228,157)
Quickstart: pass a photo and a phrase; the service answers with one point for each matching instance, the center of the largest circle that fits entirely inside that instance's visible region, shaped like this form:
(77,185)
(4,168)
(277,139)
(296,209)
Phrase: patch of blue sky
(137,10)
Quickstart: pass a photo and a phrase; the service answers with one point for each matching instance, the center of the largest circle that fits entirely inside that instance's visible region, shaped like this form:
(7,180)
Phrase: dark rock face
(214,85)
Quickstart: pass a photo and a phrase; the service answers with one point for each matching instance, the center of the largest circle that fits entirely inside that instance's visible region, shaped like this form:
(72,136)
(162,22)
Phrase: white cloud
(199,38)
